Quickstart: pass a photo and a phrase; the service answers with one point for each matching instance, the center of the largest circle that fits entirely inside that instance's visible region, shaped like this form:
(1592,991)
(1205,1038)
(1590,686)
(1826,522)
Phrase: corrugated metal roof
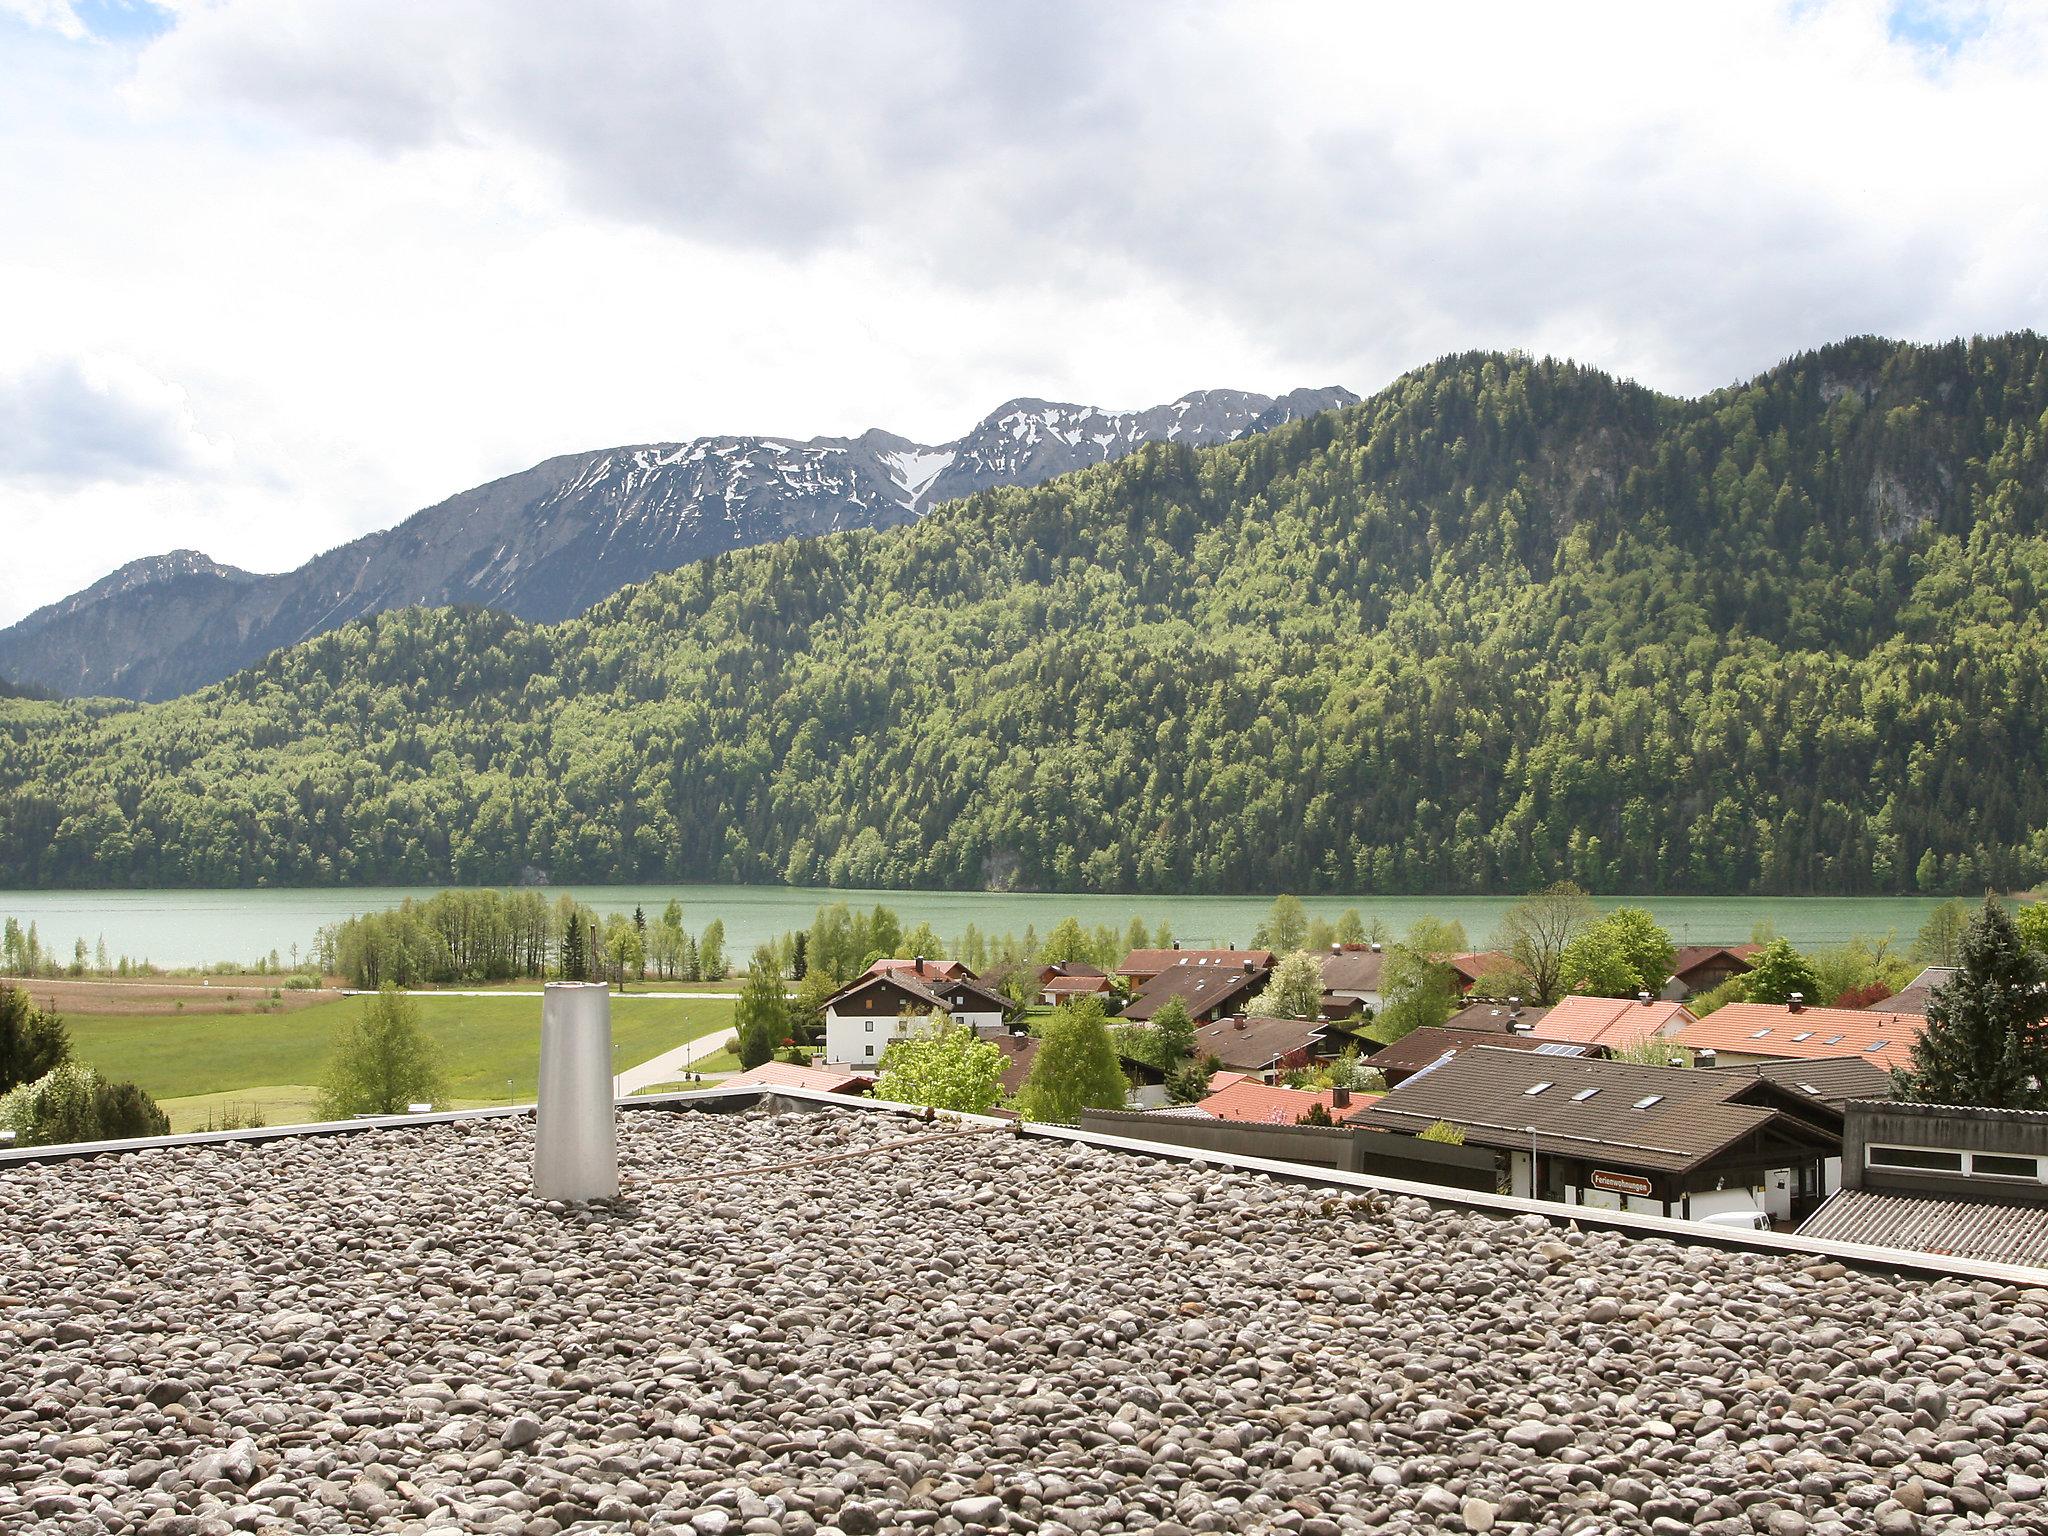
(1969,1229)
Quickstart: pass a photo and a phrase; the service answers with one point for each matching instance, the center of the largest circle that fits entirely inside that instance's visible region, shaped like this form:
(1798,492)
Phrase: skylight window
(1648,1099)
(1533,1089)
(1804,1034)
(1876,1045)
(1758,1034)
(1584,1094)
(1834,1039)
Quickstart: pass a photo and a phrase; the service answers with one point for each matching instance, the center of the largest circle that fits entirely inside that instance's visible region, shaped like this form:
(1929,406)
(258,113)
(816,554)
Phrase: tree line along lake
(199,927)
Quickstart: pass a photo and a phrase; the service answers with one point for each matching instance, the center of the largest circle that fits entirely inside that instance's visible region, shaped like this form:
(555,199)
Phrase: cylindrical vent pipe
(575,1133)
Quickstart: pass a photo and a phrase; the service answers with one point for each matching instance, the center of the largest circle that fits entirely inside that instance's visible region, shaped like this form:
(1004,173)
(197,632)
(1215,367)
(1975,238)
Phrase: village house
(1917,993)
(1615,1022)
(1424,1050)
(783,1074)
(1697,968)
(1070,980)
(944,970)
(1942,1179)
(862,1018)
(1745,1032)
(1262,1047)
(1208,986)
(1255,1103)
(1351,979)
(1140,966)
(1470,966)
(1660,1141)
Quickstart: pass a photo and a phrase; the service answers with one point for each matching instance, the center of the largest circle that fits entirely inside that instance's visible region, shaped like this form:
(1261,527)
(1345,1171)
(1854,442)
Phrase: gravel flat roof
(382,1331)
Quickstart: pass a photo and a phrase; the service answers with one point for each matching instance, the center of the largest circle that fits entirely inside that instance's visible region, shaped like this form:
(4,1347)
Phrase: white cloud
(80,421)
(392,249)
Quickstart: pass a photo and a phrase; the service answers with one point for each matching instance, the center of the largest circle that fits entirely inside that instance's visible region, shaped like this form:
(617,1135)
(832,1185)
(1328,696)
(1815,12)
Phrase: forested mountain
(548,542)
(1504,621)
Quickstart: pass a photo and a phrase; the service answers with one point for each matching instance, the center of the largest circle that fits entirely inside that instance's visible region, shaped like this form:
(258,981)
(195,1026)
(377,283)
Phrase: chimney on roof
(1704,1057)
(920,965)
(1336,949)
(1375,946)
(1643,998)
(1176,943)
(1340,1098)
(1238,1022)
(1517,1027)
(1247,967)
(1796,1002)
(575,1122)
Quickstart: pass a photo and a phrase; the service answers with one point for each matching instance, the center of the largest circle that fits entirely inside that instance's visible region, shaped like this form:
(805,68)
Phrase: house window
(2002,1165)
(871,1027)
(871,1048)
(1925,1159)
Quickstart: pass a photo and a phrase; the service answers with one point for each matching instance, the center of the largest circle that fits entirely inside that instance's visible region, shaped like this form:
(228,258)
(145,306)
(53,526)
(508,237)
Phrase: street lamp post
(1533,1187)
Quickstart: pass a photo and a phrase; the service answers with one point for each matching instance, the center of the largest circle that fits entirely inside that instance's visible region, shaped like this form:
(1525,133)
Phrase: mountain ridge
(1504,622)
(545,542)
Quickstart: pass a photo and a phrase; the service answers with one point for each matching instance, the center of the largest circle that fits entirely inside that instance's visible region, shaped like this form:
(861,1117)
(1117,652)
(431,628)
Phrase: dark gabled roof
(1917,993)
(1495,1017)
(1069,968)
(1833,1082)
(1256,1043)
(1144,961)
(1353,970)
(1970,1229)
(1693,1116)
(1421,1048)
(931,991)
(1688,958)
(1202,987)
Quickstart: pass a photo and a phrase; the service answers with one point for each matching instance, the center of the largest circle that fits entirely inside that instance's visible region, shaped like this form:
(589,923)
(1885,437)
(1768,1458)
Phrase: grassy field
(490,1048)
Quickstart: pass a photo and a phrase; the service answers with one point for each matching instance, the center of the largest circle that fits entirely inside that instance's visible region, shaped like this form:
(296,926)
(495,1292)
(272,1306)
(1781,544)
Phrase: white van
(1745,1220)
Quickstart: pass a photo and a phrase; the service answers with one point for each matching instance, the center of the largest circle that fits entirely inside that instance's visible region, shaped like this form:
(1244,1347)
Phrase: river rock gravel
(383,1331)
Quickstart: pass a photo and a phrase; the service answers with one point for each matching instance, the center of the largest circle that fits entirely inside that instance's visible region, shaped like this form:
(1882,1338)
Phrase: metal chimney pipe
(575,1132)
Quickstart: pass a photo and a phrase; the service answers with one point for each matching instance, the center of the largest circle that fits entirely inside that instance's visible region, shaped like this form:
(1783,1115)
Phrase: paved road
(670,1065)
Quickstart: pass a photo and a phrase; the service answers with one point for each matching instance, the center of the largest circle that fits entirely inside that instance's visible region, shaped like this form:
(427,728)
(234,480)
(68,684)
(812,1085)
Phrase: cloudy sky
(273,274)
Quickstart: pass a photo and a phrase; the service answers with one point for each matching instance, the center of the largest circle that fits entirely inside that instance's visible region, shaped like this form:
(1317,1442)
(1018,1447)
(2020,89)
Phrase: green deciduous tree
(761,1018)
(1076,1067)
(1174,1027)
(1536,931)
(711,962)
(383,1061)
(943,1064)
(1420,992)
(1285,926)
(1986,1038)
(1776,972)
(1293,991)
(1940,940)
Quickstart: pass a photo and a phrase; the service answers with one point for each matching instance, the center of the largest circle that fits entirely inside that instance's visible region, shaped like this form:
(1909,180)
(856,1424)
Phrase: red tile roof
(784,1074)
(1811,1034)
(1147,962)
(1612,1021)
(1259,1105)
(943,970)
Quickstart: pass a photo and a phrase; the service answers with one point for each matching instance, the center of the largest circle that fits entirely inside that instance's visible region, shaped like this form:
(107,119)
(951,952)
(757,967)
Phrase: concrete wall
(1947,1128)
(1345,1149)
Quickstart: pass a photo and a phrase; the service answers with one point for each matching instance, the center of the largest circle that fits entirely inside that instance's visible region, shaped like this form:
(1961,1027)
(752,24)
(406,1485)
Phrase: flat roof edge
(1858,1255)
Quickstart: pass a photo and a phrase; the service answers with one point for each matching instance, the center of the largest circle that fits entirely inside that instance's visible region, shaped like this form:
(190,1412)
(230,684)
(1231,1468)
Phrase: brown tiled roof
(1494,1017)
(1690,957)
(1019,1051)
(1202,987)
(1968,1229)
(1833,1082)
(1811,1034)
(1689,1117)
(931,991)
(1614,1021)
(1048,973)
(1254,1044)
(1917,993)
(944,970)
(1076,986)
(1475,963)
(1146,961)
(1353,970)
(1425,1047)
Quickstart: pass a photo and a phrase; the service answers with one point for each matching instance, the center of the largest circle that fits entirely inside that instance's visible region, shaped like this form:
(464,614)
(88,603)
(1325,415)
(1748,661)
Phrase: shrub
(1445,1132)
